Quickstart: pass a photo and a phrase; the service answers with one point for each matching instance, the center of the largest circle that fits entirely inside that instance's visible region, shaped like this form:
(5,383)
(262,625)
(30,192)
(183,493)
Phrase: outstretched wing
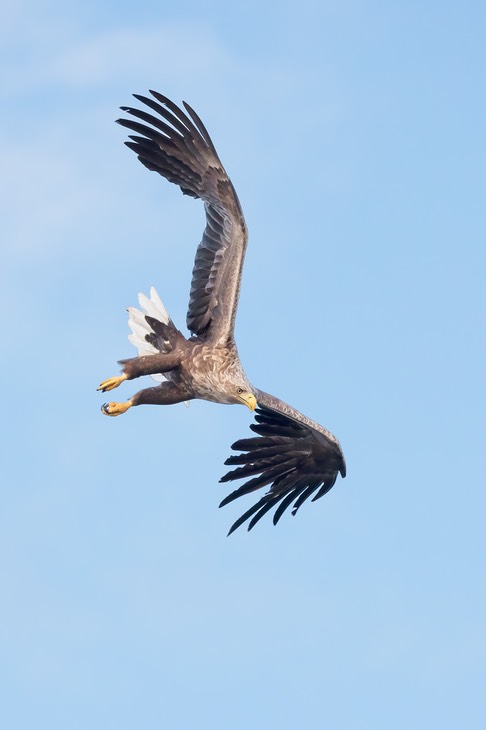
(295,456)
(178,147)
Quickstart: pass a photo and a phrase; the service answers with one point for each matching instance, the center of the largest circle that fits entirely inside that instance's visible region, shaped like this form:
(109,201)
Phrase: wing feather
(296,457)
(176,144)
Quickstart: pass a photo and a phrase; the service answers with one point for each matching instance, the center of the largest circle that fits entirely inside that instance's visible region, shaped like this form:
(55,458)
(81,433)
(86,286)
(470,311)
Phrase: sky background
(354,133)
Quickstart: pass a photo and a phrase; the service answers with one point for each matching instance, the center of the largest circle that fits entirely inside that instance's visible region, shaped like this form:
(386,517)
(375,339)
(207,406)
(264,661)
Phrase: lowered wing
(178,147)
(293,456)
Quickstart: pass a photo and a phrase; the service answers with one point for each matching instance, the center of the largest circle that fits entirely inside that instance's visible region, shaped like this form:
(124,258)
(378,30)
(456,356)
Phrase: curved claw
(116,409)
(112,383)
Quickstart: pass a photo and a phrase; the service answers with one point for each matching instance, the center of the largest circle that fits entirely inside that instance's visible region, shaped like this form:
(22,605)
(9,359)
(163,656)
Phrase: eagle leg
(116,409)
(112,383)
(165,394)
(161,362)
(137,366)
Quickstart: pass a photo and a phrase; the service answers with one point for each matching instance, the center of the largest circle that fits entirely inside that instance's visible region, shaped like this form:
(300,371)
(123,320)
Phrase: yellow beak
(249,400)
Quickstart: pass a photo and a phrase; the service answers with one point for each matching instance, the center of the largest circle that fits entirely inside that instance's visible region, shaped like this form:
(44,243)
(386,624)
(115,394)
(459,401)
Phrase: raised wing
(178,147)
(295,456)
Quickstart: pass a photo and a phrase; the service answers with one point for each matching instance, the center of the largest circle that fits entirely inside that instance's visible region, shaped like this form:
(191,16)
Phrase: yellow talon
(112,383)
(116,409)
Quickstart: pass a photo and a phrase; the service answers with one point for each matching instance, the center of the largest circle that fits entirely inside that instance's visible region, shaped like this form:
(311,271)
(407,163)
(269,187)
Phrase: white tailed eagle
(291,455)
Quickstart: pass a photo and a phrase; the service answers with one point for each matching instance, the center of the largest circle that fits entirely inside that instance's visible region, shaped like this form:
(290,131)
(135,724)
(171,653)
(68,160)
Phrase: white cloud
(39,193)
(176,49)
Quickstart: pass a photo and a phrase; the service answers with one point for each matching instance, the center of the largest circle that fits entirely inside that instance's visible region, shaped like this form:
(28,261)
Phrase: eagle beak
(249,400)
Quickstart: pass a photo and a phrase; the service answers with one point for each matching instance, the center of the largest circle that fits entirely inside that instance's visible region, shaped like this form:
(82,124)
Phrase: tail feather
(154,306)
(140,328)
(157,301)
(143,336)
(137,321)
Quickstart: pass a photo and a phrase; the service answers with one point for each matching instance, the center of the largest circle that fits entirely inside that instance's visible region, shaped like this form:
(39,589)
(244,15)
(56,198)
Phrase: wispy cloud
(180,49)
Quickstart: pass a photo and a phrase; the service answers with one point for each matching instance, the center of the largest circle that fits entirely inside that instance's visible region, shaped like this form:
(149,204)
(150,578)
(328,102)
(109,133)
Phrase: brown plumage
(291,455)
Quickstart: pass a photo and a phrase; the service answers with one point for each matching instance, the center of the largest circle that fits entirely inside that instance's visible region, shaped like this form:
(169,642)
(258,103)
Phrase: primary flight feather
(291,455)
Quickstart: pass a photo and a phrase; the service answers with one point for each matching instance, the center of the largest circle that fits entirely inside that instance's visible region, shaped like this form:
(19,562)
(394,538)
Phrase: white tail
(152,307)
(140,328)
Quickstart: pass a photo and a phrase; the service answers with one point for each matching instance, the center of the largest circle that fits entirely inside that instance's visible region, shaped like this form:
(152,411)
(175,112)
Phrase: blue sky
(354,134)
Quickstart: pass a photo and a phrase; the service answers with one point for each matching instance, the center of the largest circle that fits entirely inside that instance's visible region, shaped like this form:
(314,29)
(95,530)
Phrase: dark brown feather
(177,146)
(297,458)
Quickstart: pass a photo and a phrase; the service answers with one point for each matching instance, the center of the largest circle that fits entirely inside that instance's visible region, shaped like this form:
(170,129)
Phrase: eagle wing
(178,147)
(295,456)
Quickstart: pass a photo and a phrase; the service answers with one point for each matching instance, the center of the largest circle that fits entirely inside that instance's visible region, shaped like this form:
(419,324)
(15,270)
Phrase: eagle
(294,457)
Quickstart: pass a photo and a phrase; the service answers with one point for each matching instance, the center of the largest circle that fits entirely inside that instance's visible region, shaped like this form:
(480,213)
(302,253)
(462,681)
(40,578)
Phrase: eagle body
(294,457)
(211,371)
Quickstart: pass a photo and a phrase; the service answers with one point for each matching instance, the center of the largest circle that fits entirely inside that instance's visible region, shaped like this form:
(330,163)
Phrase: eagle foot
(112,383)
(116,409)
